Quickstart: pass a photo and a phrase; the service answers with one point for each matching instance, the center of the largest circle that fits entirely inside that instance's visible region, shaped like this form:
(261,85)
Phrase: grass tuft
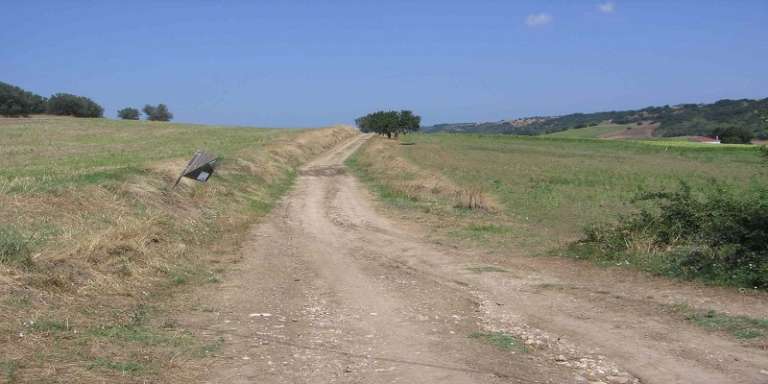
(15,248)
(486,268)
(124,367)
(741,327)
(49,326)
(210,348)
(501,340)
(8,369)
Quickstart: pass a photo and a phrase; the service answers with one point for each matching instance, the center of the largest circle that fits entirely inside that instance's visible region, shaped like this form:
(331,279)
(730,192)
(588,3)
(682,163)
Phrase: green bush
(715,236)
(15,101)
(14,247)
(72,105)
(735,135)
(128,113)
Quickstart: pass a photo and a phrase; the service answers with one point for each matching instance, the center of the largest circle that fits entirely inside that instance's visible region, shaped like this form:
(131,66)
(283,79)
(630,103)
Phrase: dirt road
(329,290)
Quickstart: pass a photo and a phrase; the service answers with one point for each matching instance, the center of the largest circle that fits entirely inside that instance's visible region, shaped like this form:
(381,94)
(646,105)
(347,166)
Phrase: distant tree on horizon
(158,113)
(389,123)
(129,113)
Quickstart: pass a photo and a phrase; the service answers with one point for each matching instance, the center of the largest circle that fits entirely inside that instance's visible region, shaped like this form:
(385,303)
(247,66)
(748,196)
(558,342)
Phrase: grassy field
(540,192)
(589,132)
(94,241)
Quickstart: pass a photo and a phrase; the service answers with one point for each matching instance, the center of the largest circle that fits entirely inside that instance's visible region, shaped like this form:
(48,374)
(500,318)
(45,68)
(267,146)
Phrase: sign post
(200,167)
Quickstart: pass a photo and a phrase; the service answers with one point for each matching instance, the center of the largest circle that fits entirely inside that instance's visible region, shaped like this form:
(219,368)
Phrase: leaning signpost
(200,167)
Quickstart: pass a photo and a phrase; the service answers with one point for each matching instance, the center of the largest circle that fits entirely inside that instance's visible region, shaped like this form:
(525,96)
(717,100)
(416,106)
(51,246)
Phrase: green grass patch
(209,349)
(190,274)
(483,231)
(144,335)
(485,268)
(501,340)
(124,367)
(590,132)
(487,228)
(741,327)
(49,326)
(15,248)
(8,370)
(18,300)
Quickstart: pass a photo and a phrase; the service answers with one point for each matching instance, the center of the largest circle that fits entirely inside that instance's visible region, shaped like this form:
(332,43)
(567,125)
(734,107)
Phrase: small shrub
(14,247)
(718,236)
(72,105)
(128,113)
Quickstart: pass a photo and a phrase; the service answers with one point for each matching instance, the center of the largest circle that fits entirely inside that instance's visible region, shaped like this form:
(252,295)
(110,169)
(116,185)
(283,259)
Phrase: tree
(128,113)
(158,113)
(15,101)
(408,122)
(735,135)
(389,123)
(73,105)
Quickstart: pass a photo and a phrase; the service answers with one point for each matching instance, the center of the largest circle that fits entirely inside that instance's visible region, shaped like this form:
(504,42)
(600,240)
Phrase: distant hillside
(679,120)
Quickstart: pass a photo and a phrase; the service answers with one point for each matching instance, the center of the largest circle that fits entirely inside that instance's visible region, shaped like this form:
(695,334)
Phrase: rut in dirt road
(330,291)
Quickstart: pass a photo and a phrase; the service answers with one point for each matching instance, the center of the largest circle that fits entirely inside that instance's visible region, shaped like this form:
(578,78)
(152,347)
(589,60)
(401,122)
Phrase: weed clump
(14,247)
(501,340)
(714,236)
(741,327)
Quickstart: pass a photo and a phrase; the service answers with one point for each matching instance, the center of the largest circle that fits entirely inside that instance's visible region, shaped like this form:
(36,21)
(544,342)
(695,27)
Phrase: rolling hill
(678,120)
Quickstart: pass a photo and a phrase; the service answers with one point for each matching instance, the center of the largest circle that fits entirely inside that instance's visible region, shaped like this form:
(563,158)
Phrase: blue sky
(313,63)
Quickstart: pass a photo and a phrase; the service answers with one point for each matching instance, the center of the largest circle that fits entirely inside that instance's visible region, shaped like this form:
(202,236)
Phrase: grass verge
(740,327)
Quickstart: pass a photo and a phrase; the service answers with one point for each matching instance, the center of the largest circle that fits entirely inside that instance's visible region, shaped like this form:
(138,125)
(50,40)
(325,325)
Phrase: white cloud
(538,19)
(607,7)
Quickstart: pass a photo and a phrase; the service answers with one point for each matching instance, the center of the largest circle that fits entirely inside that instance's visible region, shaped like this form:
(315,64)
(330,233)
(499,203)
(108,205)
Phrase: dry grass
(109,238)
(408,181)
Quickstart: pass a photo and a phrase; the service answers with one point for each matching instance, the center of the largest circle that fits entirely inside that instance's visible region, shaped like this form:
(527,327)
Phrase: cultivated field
(592,132)
(94,241)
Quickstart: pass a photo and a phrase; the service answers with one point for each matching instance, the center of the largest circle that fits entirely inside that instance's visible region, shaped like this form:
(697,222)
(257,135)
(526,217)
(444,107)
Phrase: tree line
(15,102)
(389,123)
(159,112)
